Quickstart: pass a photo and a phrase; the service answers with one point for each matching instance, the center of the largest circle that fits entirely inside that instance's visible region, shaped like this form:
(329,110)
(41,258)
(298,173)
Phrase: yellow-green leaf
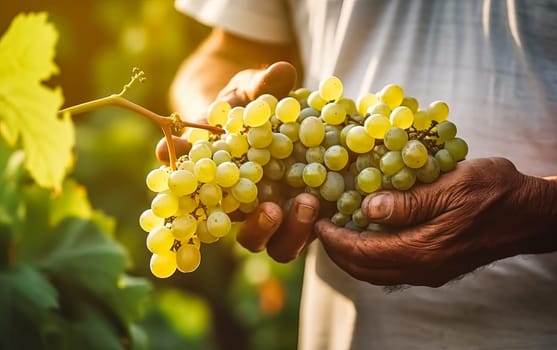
(29,109)
(28,47)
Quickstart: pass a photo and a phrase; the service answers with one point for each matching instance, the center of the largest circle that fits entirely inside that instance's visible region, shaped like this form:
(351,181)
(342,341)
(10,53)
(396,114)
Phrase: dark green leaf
(92,330)
(83,256)
(25,296)
(129,298)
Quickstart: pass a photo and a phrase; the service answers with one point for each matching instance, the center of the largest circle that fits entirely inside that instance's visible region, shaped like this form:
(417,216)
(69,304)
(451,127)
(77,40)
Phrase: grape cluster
(318,142)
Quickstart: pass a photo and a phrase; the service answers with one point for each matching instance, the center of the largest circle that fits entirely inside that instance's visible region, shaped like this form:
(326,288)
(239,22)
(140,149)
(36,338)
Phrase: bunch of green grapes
(318,142)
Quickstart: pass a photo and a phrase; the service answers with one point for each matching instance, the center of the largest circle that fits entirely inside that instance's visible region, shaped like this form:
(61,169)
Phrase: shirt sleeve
(265,21)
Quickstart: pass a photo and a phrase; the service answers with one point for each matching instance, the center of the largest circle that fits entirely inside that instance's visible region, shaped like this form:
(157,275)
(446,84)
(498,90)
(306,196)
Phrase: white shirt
(494,63)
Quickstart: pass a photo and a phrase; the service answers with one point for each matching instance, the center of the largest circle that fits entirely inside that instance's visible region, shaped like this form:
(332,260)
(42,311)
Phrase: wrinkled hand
(284,235)
(474,215)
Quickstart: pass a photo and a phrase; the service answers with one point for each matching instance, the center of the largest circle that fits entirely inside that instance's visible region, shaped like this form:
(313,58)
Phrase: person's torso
(493,62)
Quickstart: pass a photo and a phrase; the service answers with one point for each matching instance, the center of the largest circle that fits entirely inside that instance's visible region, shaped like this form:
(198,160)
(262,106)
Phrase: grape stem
(169,124)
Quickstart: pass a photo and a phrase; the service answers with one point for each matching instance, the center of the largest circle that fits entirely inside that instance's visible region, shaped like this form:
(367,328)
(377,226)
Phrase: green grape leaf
(92,329)
(29,109)
(129,298)
(72,202)
(25,295)
(84,256)
(28,47)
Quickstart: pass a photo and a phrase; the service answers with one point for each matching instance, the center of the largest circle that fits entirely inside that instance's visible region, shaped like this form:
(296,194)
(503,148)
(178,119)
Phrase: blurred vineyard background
(235,300)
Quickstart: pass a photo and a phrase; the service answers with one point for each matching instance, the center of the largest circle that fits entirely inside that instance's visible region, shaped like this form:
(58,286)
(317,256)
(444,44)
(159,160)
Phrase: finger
(366,256)
(404,208)
(278,79)
(360,248)
(181,145)
(260,226)
(297,230)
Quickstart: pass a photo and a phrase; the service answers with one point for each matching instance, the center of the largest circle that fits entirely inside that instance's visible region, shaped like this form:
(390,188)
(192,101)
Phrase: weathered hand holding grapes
(317,142)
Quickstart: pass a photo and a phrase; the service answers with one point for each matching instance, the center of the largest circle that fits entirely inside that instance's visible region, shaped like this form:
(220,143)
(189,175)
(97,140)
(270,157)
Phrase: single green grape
(395,138)
(245,190)
(157,180)
(235,121)
(333,187)
(227,174)
(314,174)
(217,113)
(333,113)
(331,88)
(281,146)
(359,218)
(188,258)
(315,154)
(148,220)
(392,95)
(261,156)
(251,170)
(422,120)
(336,157)
(287,110)
(365,101)
(199,150)
(210,194)
(183,227)
(256,113)
(261,136)
(358,140)
(163,265)
(349,201)
(410,102)
(220,156)
(294,175)
(204,170)
(312,132)
(446,130)
(218,224)
(340,219)
(445,160)
(315,100)
(457,147)
(159,240)
(438,111)
(291,130)
(404,179)
(274,169)
(164,205)
(237,144)
(369,180)
(430,171)
(377,125)
(391,163)
(401,117)
(414,154)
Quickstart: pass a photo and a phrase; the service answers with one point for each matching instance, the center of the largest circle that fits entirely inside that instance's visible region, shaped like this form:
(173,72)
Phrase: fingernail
(379,206)
(305,213)
(265,222)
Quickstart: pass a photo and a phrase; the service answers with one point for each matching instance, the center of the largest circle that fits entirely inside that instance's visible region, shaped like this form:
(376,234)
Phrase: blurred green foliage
(236,299)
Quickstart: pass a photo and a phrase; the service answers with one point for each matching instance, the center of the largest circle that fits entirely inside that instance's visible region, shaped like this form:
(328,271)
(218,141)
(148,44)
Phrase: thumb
(278,79)
(403,208)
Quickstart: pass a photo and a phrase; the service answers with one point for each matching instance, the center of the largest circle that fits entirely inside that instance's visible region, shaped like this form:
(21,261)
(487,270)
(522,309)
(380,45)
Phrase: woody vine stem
(169,124)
